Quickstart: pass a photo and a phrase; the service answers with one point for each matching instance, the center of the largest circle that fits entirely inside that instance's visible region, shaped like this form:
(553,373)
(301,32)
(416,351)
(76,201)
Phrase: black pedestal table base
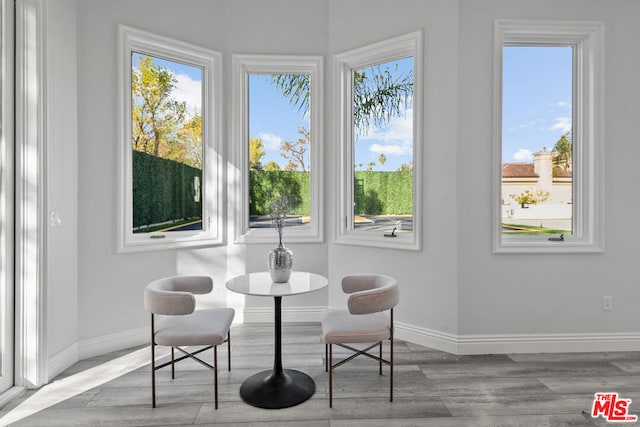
(272,390)
(279,388)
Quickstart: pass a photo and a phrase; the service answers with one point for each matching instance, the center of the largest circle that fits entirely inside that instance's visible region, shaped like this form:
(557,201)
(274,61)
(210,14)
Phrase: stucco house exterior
(538,176)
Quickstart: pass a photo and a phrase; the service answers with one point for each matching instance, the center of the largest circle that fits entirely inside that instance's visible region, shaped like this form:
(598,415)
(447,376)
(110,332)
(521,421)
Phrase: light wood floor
(432,388)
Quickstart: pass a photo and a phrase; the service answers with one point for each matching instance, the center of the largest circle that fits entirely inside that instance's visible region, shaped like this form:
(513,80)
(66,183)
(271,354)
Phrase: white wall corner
(59,362)
(30,218)
(437,340)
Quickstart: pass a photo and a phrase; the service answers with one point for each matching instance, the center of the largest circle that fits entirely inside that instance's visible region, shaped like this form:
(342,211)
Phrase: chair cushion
(202,327)
(340,326)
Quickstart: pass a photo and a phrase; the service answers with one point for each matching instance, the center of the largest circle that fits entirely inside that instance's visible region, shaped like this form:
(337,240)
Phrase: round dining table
(277,388)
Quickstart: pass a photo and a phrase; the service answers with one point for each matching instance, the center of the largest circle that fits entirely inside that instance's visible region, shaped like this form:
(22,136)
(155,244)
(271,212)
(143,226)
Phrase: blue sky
(273,119)
(536,99)
(536,108)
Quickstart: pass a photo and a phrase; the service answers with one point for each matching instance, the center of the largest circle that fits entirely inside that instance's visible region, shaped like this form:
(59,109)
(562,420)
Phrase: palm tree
(378,94)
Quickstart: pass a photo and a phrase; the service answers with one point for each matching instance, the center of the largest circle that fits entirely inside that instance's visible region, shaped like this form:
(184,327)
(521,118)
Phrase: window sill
(147,243)
(269,235)
(402,242)
(542,245)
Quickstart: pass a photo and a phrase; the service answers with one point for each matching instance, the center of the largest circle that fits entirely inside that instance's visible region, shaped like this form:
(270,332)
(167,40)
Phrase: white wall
(111,284)
(514,296)
(453,291)
(62,180)
(428,279)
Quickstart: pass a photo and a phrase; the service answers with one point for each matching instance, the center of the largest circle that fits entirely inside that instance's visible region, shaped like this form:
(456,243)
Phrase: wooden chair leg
(215,376)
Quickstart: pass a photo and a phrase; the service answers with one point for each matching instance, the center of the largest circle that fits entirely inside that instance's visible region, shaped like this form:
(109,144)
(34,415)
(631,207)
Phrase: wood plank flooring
(432,388)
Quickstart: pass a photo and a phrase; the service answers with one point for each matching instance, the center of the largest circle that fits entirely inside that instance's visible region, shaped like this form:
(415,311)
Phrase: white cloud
(563,104)
(189,91)
(396,138)
(398,150)
(270,141)
(523,154)
(562,123)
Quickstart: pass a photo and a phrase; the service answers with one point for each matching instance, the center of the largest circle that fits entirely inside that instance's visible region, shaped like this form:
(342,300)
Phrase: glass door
(6,196)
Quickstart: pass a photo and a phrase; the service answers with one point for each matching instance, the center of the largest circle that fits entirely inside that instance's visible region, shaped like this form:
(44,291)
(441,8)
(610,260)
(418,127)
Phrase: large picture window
(548,78)
(379,131)
(170,165)
(279,145)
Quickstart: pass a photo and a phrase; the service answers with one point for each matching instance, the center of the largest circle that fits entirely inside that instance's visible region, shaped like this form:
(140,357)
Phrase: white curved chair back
(370,293)
(174,295)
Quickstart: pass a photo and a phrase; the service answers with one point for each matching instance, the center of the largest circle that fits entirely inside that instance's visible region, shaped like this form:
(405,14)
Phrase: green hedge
(383,193)
(163,190)
(376,192)
(267,186)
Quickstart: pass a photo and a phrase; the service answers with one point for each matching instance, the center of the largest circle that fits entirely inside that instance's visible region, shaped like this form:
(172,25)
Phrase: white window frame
(345,63)
(242,66)
(587,40)
(133,40)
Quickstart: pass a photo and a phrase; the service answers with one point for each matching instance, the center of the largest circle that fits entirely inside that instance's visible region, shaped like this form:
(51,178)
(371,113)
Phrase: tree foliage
(160,124)
(295,152)
(256,153)
(563,151)
(378,94)
(406,167)
(272,166)
(531,197)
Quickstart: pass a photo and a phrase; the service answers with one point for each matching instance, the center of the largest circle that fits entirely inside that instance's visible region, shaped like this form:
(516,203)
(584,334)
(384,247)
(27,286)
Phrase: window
(379,122)
(548,134)
(170,135)
(279,145)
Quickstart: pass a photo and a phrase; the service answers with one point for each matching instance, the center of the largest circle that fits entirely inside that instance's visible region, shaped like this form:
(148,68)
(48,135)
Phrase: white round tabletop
(260,284)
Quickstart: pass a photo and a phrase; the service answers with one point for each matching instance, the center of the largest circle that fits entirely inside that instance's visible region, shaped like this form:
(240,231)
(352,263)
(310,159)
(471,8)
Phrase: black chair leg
(326,357)
(330,363)
(229,350)
(173,365)
(215,376)
(153,366)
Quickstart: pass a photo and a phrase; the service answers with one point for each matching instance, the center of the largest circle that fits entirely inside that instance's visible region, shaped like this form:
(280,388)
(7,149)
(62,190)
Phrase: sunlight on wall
(236,264)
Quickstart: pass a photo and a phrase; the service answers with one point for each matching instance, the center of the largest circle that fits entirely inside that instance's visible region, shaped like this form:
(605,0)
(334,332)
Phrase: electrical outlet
(607,303)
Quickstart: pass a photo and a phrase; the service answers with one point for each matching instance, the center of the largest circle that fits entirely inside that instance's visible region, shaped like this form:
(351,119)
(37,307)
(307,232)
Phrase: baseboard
(289,314)
(548,343)
(62,360)
(113,342)
(518,343)
(426,337)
